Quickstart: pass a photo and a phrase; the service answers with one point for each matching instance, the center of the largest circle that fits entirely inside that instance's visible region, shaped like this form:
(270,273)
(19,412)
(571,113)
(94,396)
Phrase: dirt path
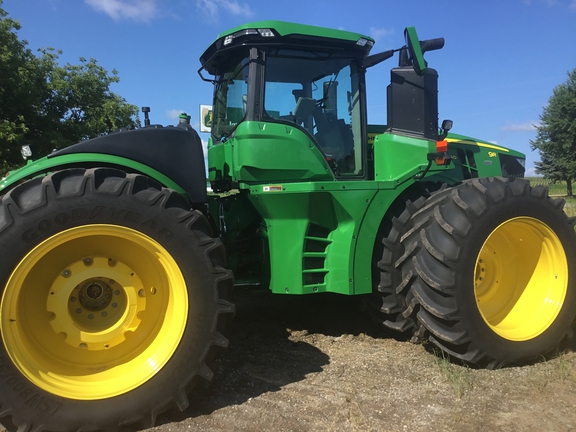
(318,364)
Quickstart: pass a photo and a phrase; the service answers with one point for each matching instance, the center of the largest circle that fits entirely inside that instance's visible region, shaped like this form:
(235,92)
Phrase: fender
(173,151)
(44,165)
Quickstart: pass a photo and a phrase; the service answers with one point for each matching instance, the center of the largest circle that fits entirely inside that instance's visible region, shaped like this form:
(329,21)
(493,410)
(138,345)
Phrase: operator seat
(333,135)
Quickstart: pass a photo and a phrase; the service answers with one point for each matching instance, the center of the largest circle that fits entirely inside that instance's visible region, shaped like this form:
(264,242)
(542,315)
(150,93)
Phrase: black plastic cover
(413,102)
(176,152)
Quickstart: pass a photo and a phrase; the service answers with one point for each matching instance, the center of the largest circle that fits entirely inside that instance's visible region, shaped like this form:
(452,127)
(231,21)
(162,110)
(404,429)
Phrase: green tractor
(118,263)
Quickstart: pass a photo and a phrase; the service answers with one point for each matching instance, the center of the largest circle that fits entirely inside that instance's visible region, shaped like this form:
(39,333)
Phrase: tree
(556,135)
(50,106)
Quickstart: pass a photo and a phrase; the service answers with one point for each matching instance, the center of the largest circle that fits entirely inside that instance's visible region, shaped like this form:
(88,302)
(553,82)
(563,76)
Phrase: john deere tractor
(117,264)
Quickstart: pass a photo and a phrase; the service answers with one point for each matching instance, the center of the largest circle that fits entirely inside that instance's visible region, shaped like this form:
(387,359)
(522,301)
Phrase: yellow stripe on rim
(521,278)
(94,311)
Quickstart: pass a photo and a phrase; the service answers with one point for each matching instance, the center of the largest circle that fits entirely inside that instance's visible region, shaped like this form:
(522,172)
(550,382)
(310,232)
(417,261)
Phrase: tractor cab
(288,99)
(289,103)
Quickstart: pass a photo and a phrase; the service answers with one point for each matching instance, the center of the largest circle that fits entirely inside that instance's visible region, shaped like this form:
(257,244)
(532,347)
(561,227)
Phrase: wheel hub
(94,295)
(95,302)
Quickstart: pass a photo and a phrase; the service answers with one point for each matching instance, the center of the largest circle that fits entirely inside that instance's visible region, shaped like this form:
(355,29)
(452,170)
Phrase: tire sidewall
(37,406)
(471,319)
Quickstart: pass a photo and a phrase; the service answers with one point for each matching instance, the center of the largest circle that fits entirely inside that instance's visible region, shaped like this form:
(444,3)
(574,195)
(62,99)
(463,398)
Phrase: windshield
(319,93)
(230,93)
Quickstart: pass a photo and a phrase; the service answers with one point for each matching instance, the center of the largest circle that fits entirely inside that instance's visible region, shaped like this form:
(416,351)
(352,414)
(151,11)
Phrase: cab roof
(283,35)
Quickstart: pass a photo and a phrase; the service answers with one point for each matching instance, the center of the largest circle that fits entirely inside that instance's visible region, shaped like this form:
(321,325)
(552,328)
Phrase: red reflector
(441,146)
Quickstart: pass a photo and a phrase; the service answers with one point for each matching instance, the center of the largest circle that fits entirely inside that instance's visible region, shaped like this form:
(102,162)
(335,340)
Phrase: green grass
(570,207)
(557,189)
(564,368)
(458,376)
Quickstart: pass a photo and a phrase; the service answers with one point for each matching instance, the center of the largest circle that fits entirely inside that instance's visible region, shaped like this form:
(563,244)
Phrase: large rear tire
(492,265)
(113,301)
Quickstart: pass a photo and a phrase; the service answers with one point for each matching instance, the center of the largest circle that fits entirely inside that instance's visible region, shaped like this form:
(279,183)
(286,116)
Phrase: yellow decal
(372,137)
(479,144)
(492,154)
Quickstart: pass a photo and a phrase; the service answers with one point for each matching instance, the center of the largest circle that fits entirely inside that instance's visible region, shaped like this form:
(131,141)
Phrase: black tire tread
(433,250)
(389,299)
(66,184)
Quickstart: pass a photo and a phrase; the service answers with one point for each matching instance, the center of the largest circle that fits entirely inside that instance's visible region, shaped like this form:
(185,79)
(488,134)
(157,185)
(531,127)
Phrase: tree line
(50,106)
(556,135)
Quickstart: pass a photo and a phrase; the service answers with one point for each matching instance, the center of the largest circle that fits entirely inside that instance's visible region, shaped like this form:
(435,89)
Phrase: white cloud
(528,126)
(214,7)
(174,113)
(379,33)
(136,10)
(573,4)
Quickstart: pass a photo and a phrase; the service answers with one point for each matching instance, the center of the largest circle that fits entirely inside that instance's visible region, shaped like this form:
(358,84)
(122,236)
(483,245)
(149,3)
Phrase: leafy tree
(556,135)
(50,106)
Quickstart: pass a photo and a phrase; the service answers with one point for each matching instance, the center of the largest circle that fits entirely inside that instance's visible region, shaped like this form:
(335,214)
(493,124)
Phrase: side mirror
(414,50)
(417,48)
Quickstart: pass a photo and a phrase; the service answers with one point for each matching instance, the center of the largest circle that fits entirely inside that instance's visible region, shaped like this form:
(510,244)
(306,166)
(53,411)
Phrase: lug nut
(66,273)
(88,261)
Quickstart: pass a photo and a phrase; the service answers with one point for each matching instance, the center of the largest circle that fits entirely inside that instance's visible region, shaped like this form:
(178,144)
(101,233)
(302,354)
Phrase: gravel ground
(318,364)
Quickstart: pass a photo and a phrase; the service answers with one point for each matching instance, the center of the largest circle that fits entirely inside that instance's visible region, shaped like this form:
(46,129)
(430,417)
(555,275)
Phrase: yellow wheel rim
(94,311)
(520,278)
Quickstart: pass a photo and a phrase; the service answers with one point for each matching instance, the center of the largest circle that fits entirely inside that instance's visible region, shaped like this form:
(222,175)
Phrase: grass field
(557,190)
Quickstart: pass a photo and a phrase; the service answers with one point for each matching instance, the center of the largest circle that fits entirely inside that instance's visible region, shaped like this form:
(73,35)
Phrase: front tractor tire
(492,265)
(114,300)
(391,301)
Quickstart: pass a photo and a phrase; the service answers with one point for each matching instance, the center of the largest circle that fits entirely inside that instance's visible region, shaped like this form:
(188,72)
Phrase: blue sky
(500,63)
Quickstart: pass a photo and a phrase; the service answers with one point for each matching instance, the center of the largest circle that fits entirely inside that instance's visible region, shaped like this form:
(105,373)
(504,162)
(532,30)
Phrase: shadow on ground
(269,347)
(263,357)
